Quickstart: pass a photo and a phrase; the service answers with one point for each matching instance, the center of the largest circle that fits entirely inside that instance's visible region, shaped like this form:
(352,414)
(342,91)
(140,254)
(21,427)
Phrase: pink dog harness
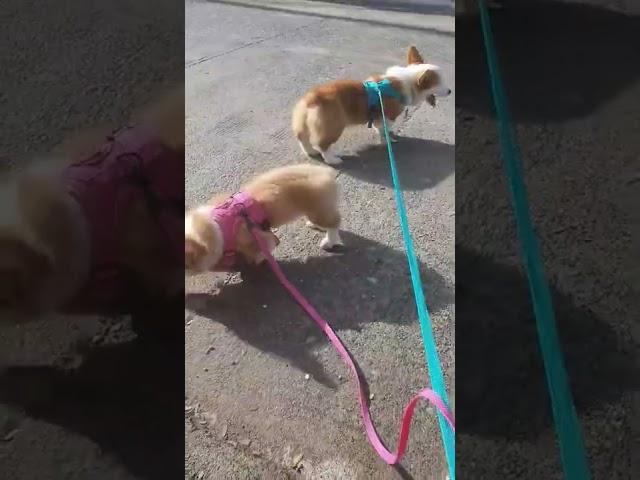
(133,165)
(229,215)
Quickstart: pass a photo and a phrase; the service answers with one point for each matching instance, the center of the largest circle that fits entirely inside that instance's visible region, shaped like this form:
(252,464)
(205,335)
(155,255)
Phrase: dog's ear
(427,80)
(413,56)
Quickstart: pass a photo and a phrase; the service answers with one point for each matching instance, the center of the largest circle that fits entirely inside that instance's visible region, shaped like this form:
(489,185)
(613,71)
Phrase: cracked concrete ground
(249,348)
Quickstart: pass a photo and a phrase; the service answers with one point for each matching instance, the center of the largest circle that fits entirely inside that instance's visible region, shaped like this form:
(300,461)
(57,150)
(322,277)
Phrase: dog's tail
(299,120)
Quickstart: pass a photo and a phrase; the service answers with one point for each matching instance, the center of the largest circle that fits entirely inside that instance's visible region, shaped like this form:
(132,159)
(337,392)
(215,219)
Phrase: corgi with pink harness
(217,236)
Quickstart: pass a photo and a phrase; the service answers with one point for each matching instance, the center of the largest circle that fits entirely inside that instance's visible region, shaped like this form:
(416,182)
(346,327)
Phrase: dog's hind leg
(325,128)
(329,222)
(306,147)
(329,156)
(377,124)
(301,129)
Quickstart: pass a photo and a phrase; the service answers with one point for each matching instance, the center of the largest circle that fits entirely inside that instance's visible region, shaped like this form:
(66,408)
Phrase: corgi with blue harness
(322,114)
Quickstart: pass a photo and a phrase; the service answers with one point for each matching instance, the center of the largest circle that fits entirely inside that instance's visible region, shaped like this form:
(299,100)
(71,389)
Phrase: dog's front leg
(390,128)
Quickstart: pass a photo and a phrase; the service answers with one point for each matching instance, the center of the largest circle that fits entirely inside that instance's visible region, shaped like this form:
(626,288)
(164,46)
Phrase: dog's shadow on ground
(128,398)
(538,45)
(502,389)
(422,164)
(366,283)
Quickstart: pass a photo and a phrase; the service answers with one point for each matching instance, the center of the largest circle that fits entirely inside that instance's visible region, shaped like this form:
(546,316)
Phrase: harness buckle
(244,214)
(373,103)
(251,223)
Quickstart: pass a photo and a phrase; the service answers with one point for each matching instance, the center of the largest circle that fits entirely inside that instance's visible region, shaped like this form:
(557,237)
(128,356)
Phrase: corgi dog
(217,235)
(322,114)
(96,224)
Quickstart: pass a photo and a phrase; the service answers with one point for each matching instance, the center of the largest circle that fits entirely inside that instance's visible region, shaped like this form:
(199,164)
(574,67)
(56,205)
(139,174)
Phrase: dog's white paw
(327,244)
(393,138)
(331,159)
(331,240)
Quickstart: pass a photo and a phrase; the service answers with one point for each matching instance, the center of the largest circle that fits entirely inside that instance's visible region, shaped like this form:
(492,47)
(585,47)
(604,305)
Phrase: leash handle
(391,458)
(431,351)
(572,450)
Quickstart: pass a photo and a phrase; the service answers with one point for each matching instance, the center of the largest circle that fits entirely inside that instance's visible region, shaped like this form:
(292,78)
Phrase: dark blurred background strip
(571,76)
(81,397)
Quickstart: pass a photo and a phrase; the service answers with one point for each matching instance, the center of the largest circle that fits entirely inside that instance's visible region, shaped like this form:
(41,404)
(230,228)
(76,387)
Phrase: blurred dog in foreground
(93,234)
(323,113)
(217,235)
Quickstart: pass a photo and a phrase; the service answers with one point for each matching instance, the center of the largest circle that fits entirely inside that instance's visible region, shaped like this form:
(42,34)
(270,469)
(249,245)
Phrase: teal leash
(431,352)
(572,449)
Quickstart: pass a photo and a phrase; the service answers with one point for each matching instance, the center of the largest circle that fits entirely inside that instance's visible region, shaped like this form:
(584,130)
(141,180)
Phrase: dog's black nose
(448,91)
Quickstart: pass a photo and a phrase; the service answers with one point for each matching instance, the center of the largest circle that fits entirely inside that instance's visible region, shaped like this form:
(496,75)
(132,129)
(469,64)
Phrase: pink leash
(426,394)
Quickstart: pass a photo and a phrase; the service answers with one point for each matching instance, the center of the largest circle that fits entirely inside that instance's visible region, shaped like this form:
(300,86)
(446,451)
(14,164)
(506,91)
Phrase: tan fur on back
(289,192)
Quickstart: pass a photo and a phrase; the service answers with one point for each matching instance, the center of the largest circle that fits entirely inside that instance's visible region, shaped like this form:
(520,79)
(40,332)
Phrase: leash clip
(244,214)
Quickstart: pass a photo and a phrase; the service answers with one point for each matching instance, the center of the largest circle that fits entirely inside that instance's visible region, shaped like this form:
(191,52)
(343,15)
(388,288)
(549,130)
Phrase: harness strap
(386,89)
(572,450)
(160,208)
(228,214)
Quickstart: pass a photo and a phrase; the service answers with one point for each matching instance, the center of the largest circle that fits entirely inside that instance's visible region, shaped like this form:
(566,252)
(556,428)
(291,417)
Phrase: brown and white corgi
(322,114)
(217,236)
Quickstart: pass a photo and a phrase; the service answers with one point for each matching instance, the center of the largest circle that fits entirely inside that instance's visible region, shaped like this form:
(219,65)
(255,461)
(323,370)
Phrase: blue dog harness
(373,101)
